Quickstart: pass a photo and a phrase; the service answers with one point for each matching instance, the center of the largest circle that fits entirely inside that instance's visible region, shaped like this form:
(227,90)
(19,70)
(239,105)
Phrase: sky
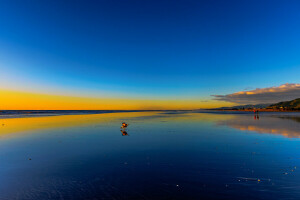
(111,54)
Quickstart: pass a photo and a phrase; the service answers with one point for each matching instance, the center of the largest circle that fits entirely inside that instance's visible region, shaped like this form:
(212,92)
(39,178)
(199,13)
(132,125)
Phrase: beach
(160,155)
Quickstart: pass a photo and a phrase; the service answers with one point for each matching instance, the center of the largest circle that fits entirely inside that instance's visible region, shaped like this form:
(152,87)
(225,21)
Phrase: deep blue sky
(151,49)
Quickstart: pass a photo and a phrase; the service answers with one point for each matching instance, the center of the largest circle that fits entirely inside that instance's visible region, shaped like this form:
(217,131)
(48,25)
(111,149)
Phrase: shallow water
(162,155)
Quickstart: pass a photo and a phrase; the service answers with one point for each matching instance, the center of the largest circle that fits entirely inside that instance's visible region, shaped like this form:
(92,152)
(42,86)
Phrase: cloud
(285,92)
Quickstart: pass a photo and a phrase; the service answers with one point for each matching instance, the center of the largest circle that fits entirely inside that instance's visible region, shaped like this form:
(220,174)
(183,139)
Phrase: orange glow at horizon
(16,127)
(16,100)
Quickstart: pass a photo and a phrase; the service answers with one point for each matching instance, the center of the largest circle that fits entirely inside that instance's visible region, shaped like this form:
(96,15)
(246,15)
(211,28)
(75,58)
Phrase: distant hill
(289,105)
(250,106)
(285,105)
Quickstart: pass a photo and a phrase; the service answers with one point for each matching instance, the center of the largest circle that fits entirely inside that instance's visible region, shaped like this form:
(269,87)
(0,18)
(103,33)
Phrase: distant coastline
(284,106)
(252,110)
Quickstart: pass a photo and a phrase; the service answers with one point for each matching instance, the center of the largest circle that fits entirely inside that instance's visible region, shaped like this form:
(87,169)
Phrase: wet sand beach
(160,155)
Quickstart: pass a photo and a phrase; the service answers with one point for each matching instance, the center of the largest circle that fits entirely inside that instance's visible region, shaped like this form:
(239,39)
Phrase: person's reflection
(256,116)
(287,126)
(124,133)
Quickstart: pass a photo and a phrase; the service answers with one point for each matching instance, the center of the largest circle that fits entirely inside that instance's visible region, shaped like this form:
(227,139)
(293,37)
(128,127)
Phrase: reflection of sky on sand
(163,155)
(19,125)
(287,126)
(11,127)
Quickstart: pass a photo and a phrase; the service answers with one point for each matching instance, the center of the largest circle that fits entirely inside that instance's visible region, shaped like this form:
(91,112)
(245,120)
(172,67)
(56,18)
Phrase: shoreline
(259,110)
(4,114)
(47,113)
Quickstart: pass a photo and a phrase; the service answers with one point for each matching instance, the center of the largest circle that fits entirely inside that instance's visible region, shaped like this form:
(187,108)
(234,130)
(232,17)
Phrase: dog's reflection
(124,133)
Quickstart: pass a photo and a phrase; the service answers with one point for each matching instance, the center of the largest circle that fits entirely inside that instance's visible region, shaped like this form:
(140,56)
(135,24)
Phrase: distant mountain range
(249,106)
(285,105)
(290,105)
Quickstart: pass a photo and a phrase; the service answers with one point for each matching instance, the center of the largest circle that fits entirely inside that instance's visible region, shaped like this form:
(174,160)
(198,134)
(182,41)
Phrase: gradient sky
(110,54)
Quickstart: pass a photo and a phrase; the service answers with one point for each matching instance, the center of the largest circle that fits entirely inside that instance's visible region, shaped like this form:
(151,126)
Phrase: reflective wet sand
(160,155)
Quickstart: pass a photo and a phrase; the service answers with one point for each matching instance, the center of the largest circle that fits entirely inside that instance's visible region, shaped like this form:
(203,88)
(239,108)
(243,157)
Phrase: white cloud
(285,92)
